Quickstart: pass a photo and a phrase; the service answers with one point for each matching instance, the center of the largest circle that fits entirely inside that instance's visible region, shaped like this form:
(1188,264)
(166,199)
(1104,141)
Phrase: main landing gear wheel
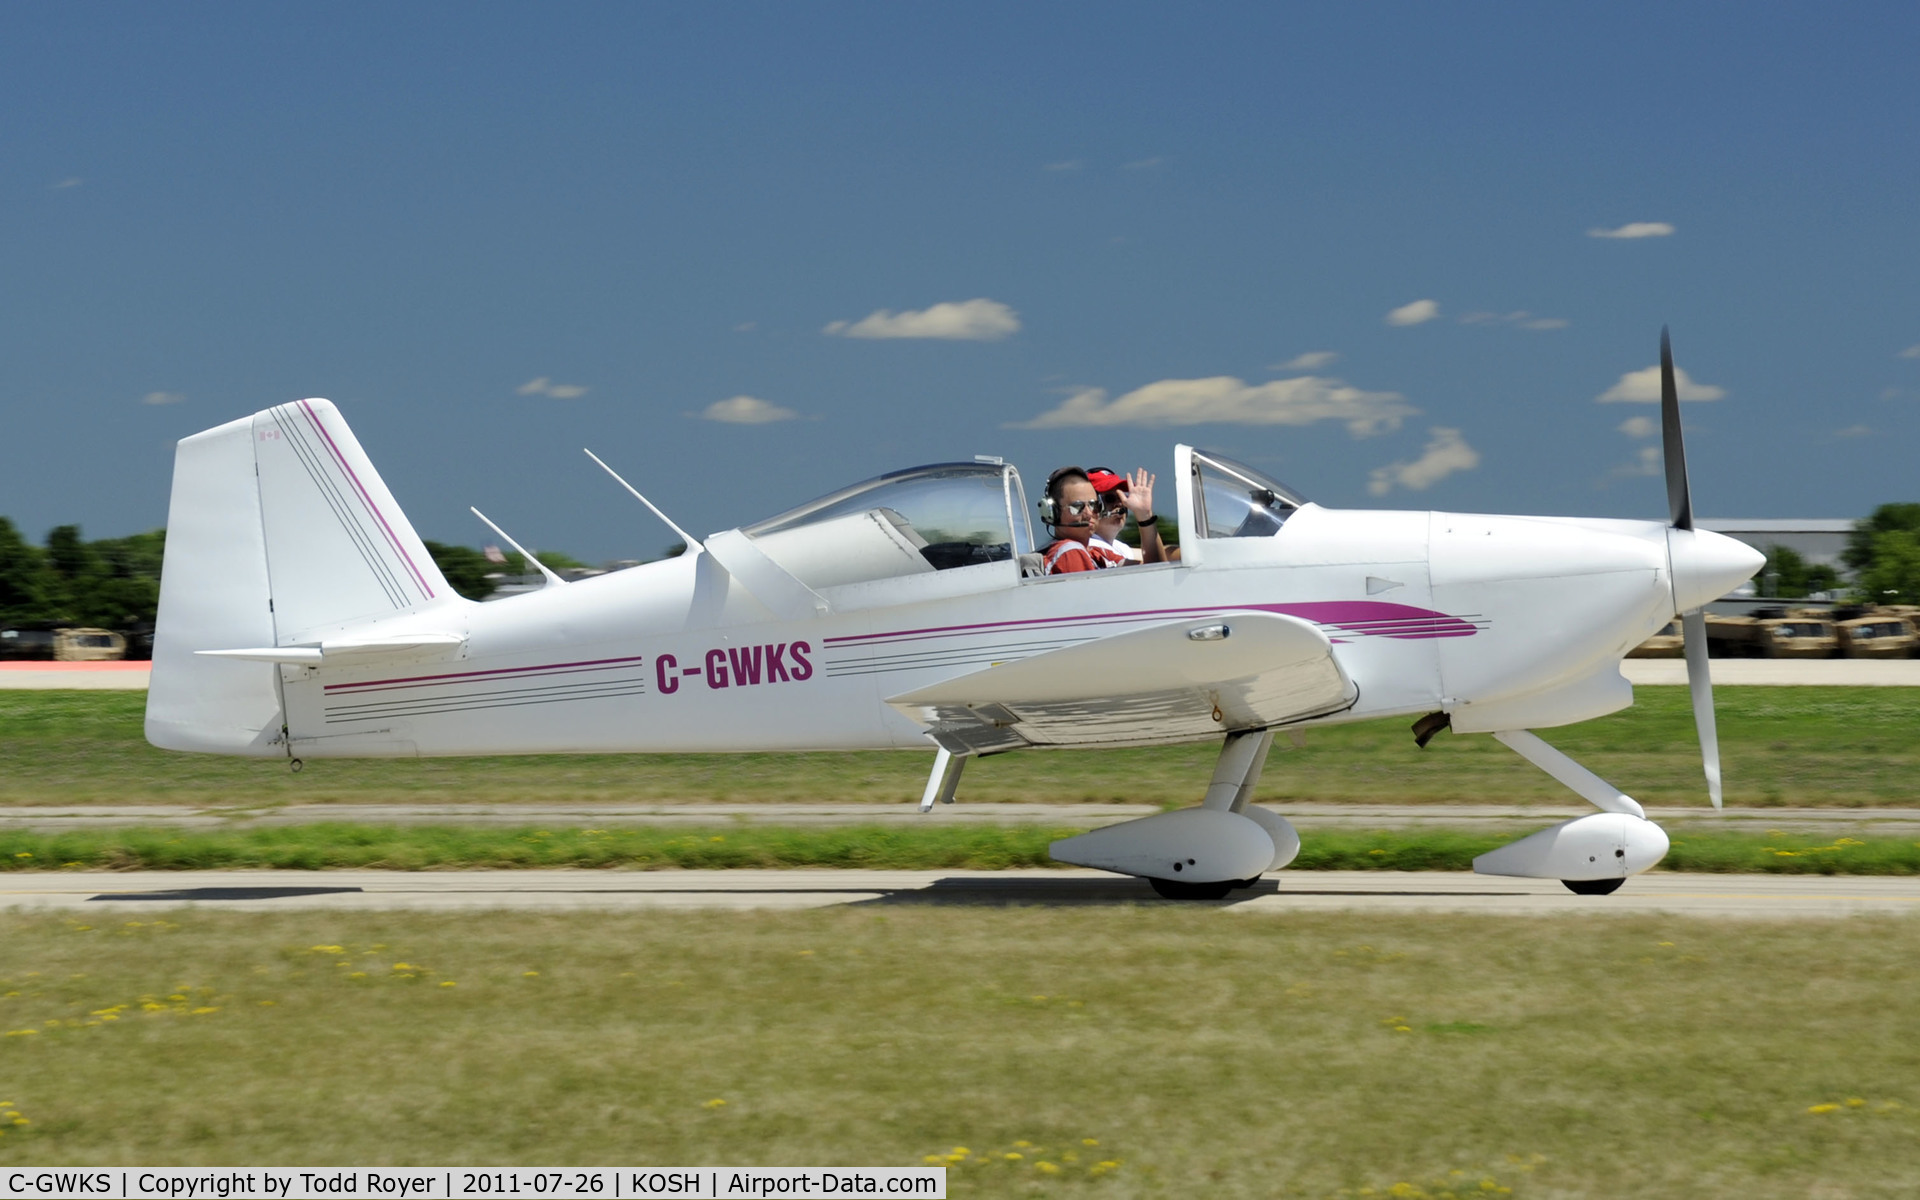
(1593,887)
(1176,889)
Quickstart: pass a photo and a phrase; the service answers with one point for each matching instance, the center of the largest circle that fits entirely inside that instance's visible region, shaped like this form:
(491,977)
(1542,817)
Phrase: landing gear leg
(944,780)
(1234,777)
(1238,771)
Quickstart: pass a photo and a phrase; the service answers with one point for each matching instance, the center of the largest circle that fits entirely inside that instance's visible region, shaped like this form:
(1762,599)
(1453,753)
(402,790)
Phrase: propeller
(1693,623)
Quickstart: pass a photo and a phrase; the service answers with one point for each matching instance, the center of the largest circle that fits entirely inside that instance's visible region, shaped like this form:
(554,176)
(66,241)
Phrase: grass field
(977,848)
(1114,1052)
(1782,746)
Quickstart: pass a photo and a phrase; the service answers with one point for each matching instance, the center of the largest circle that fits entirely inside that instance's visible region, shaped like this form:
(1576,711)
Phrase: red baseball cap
(1104,480)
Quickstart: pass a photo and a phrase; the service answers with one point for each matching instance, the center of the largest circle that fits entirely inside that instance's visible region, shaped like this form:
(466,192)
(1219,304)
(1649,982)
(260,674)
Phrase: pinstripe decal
(392,539)
(300,441)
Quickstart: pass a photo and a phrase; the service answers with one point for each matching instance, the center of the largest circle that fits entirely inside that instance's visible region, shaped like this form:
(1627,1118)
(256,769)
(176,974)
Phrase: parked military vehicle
(1881,634)
(88,645)
(63,645)
(1774,633)
(1800,636)
(26,643)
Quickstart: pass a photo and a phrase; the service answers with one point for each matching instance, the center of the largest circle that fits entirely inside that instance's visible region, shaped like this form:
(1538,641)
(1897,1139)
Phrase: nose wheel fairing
(1590,854)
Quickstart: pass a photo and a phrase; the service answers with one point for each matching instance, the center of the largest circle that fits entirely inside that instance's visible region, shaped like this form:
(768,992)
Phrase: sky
(1395,255)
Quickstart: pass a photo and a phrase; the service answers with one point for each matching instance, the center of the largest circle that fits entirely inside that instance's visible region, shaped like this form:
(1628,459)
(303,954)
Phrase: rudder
(338,548)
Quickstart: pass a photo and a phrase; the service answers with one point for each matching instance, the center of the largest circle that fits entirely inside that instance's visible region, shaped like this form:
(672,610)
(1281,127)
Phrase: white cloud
(1446,453)
(1313,360)
(1643,387)
(1145,164)
(1521,319)
(1224,400)
(1071,164)
(1853,431)
(1912,351)
(547,387)
(1419,312)
(1646,461)
(1635,229)
(746,410)
(979,320)
(1639,427)
(162,398)
(746,327)
(70,182)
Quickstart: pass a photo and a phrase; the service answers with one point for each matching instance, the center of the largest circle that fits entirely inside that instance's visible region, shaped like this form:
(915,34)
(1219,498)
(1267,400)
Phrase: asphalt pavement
(110,896)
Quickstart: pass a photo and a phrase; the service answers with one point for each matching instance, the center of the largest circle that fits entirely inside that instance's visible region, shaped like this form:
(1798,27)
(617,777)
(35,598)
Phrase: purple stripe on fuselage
(1359,617)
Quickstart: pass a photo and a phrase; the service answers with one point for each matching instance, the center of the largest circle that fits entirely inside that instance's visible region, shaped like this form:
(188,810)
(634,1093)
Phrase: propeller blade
(1694,626)
(1672,450)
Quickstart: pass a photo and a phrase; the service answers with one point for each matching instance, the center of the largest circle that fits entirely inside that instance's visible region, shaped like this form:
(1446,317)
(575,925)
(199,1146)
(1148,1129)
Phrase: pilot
(1121,497)
(1069,506)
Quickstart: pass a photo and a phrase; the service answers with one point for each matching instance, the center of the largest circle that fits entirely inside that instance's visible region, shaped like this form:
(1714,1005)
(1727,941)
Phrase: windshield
(952,514)
(1236,501)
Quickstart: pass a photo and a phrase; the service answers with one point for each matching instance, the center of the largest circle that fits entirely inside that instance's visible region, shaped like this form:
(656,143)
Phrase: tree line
(114,583)
(1882,554)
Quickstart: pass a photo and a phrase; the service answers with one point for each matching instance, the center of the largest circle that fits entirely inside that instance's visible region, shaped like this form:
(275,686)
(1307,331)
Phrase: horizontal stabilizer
(1166,683)
(347,652)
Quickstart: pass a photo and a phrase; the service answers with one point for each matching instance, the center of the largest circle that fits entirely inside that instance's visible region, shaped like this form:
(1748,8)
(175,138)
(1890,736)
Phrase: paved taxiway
(114,894)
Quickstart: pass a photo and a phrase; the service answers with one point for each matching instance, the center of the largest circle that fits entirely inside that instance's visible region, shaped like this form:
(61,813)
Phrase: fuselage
(1490,618)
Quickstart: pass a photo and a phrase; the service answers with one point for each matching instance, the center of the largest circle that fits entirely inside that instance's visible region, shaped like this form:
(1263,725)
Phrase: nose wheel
(1593,887)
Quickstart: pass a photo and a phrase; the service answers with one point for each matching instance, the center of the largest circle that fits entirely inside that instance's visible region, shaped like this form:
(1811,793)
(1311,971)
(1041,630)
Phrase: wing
(1175,682)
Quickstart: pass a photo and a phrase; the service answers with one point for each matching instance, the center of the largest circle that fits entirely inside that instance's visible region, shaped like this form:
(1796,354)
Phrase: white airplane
(301,617)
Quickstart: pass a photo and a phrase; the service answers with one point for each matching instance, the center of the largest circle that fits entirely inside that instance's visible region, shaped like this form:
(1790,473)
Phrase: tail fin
(279,531)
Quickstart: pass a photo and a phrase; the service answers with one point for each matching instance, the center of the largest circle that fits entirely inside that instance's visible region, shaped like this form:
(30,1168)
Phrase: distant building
(1818,540)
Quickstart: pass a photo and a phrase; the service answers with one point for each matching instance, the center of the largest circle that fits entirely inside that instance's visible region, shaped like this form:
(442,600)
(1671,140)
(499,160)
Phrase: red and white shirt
(1067,555)
(1114,554)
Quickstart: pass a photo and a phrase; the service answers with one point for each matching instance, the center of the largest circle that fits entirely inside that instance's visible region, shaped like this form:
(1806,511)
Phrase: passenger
(1069,507)
(1120,498)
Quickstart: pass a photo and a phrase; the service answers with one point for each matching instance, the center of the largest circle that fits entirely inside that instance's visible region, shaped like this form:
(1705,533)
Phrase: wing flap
(1167,683)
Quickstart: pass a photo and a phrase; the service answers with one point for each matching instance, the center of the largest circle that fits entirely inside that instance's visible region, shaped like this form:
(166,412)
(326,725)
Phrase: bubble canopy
(1236,501)
(950,514)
